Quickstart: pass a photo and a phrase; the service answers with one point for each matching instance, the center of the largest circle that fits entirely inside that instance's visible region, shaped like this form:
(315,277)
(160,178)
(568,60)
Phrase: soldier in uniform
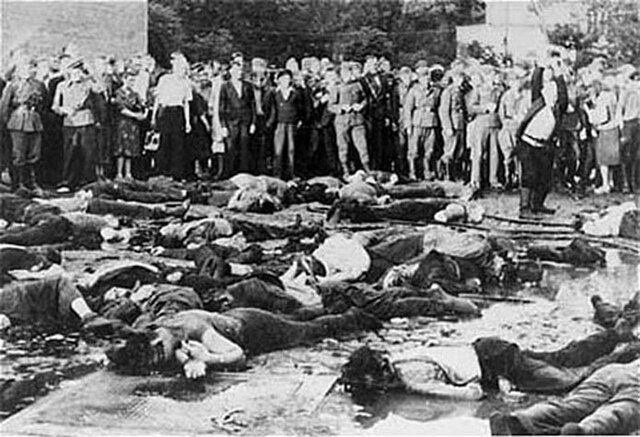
(21,110)
(347,101)
(421,116)
(453,119)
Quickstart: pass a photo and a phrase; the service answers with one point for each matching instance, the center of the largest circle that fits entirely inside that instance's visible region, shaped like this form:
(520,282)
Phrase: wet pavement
(292,391)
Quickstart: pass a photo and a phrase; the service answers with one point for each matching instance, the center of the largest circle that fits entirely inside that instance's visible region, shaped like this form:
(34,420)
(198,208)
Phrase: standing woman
(217,137)
(131,112)
(171,116)
(601,110)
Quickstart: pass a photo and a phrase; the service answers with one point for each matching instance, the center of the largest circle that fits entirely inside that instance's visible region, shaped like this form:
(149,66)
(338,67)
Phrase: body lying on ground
(54,301)
(471,372)
(605,403)
(198,339)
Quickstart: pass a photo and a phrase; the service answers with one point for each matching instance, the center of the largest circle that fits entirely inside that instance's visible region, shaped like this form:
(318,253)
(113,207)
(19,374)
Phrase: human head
(236,70)
(405,75)
(284,79)
(345,72)
(129,77)
(179,64)
(140,354)
(436,73)
(26,68)
(356,70)
(384,65)
(370,64)
(369,370)
(421,68)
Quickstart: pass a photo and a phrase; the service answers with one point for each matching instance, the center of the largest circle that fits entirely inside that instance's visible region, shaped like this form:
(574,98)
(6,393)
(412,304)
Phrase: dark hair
(285,72)
(368,370)
(136,356)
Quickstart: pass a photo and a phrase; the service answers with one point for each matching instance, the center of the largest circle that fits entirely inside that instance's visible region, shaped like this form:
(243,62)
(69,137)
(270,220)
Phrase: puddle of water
(561,313)
(182,389)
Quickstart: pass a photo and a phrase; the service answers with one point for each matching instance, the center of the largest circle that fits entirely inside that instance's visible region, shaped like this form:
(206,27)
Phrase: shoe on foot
(544,210)
(99,325)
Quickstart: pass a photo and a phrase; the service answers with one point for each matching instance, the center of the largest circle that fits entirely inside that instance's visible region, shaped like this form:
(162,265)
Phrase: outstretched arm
(213,350)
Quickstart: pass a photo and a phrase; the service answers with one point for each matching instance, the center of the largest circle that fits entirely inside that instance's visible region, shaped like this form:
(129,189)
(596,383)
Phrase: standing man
(265,116)
(401,91)
(288,118)
(421,115)
(237,116)
(347,101)
(21,109)
(629,115)
(453,119)
(374,88)
(534,140)
(73,101)
(171,116)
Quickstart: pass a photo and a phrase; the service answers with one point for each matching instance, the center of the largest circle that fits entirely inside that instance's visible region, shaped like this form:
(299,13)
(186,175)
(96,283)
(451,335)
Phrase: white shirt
(173,90)
(541,125)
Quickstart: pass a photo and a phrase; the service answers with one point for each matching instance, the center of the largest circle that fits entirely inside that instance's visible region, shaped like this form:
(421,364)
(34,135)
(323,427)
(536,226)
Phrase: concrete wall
(96,27)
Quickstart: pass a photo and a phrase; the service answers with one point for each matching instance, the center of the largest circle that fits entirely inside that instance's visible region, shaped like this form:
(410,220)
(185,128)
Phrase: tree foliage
(279,29)
(612,31)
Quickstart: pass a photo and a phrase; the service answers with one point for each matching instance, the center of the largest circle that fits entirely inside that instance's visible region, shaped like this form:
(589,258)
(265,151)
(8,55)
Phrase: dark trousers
(262,144)
(26,148)
(237,157)
(48,229)
(285,135)
(127,209)
(323,147)
(45,300)
(170,154)
(537,166)
(80,155)
(567,163)
(630,152)
(606,403)
(263,331)
(544,372)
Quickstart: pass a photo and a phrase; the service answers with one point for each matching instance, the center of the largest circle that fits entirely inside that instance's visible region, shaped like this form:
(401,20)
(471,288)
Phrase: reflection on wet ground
(561,312)
(291,391)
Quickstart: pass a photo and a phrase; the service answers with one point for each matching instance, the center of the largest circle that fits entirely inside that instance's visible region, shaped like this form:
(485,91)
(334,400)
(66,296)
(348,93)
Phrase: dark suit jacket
(236,109)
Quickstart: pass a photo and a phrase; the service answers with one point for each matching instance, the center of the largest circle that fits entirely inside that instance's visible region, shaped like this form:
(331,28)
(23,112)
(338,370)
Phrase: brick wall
(96,27)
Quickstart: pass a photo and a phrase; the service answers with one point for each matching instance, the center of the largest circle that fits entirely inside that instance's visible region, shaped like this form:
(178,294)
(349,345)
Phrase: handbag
(151,141)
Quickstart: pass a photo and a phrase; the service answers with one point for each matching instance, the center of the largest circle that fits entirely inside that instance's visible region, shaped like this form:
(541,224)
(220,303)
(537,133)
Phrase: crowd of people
(474,123)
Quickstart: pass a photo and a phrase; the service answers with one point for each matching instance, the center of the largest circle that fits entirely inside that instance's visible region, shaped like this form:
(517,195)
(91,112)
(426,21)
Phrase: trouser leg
(118,208)
(478,140)
(263,331)
(278,151)
(415,138)
(231,150)
(342,142)
(548,417)
(359,137)
(291,148)
(494,156)
(243,147)
(20,145)
(618,416)
(429,139)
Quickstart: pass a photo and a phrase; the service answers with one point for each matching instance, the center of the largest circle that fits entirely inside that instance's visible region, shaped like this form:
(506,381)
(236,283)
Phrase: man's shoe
(527,214)
(544,210)
(572,429)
